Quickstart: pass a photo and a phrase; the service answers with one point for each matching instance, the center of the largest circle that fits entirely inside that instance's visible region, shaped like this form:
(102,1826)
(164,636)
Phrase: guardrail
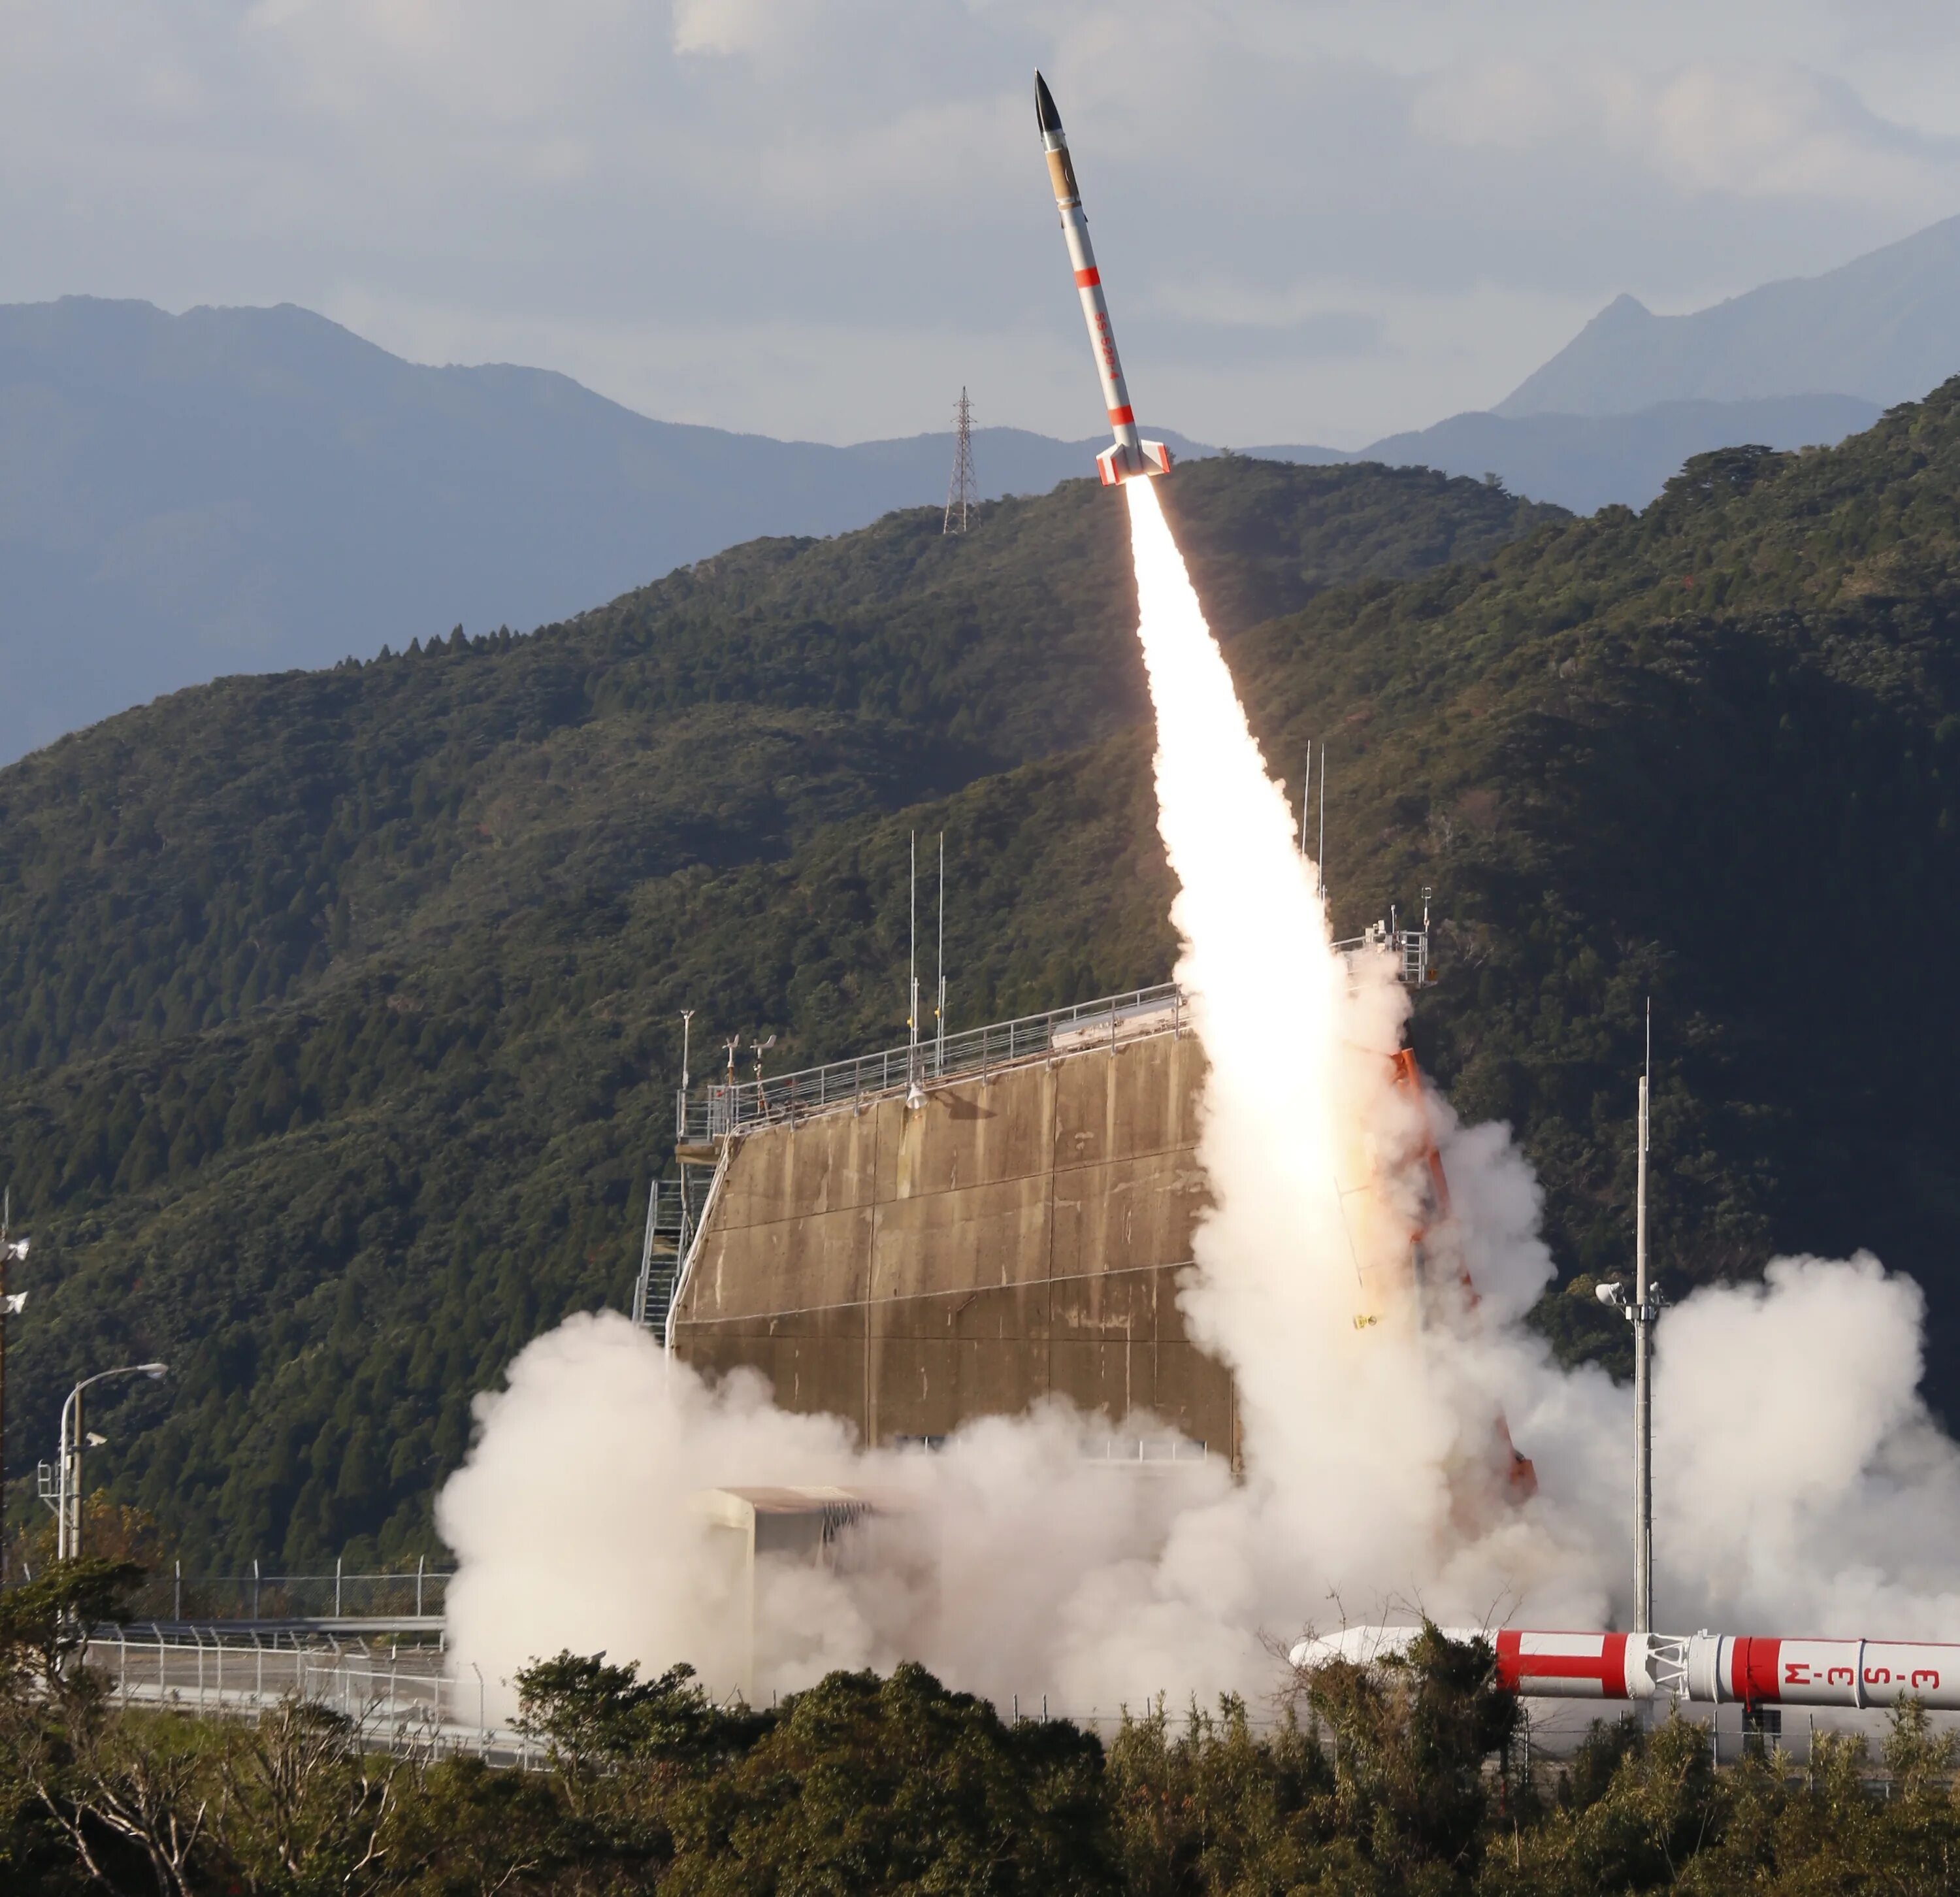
(403,1701)
(414,1701)
(346,1594)
(713,1112)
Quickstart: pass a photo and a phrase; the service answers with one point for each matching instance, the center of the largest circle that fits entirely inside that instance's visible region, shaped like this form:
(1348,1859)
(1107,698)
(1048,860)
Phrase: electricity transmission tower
(961,493)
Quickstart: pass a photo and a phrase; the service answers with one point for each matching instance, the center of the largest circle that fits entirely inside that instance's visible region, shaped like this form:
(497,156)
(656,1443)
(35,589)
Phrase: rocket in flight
(1129,456)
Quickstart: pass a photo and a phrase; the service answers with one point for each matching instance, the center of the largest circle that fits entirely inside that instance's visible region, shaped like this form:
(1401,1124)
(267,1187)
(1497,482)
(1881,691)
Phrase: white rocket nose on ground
(1129,456)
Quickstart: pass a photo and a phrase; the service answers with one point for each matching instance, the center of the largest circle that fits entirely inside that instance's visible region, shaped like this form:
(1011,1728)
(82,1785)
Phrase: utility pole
(11,1304)
(962,493)
(1643,1315)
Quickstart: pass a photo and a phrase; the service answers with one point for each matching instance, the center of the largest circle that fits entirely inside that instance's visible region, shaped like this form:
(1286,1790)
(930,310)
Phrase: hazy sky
(818,218)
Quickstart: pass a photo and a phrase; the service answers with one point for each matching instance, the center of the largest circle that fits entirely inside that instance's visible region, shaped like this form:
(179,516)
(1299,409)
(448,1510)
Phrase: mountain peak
(1879,327)
(1624,309)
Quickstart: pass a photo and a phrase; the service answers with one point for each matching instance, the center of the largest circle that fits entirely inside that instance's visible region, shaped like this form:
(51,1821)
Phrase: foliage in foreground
(1398,1779)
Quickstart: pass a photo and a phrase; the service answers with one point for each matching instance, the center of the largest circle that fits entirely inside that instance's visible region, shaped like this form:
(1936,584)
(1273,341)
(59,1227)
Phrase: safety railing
(405,1700)
(1409,947)
(713,1112)
(344,1593)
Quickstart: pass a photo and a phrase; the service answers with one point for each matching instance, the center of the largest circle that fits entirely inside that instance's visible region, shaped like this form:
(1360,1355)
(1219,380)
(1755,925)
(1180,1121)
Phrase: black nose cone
(1046,115)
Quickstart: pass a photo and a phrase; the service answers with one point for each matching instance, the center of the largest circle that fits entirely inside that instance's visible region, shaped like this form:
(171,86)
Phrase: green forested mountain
(338,1011)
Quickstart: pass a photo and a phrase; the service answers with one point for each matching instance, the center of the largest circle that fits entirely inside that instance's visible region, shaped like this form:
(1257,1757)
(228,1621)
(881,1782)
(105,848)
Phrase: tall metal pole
(6,1311)
(1320,849)
(939,1013)
(76,1442)
(12,1303)
(69,1477)
(911,980)
(1644,1315)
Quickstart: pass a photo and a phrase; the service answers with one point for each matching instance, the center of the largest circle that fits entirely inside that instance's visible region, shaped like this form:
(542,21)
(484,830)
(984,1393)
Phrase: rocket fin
(1116,463)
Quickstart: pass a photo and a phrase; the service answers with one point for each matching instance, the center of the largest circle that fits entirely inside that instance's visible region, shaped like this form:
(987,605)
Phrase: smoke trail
(1306,1285)
(1370,1390)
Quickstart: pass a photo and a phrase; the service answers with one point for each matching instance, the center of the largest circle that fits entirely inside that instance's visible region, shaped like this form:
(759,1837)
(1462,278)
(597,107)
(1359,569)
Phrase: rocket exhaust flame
(1317,1154)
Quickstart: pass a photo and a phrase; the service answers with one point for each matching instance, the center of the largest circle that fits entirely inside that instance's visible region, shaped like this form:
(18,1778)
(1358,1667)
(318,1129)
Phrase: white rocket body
(1129,456)
(1711,1668)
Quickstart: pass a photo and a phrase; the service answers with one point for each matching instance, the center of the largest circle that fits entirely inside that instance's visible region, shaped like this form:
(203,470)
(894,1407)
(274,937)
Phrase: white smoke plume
(1802,1486)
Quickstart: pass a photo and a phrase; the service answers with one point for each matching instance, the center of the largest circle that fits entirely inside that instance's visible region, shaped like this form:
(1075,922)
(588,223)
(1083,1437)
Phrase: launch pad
(960,1228)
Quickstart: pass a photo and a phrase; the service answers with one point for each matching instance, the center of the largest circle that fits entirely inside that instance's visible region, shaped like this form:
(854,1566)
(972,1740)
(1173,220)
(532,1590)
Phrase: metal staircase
(668,1229)
(677,1210)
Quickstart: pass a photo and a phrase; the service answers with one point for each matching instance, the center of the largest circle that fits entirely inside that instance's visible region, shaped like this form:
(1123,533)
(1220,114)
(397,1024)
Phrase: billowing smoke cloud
(1802,1487)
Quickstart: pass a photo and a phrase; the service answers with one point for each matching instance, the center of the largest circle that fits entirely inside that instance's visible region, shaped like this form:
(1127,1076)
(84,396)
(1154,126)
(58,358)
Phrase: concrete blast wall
(1015,1235)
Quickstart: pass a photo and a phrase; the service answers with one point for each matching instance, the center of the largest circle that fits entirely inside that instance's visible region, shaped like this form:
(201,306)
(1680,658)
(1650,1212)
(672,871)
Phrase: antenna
(939,1013)
(1643,1313)
(1320,852)
(912,987)
(963,492)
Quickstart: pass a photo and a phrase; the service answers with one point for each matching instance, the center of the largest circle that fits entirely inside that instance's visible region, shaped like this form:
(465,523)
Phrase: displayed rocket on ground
(1714,1668)
(1129,456)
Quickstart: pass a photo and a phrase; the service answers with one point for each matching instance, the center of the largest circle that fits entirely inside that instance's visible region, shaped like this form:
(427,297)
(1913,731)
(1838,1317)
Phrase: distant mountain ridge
(1884,327)
(1585,462)
(252,490)
(260,490)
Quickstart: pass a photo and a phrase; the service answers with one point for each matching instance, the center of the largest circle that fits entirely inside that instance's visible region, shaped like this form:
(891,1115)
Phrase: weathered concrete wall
(908,1269)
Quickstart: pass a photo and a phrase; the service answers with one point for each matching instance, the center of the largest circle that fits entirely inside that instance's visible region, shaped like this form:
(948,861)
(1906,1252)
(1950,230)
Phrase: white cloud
(729,27)
(816,215)
(1770,130)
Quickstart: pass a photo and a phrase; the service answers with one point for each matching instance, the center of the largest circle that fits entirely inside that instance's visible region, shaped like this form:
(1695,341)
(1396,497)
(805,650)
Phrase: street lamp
(67,1507)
